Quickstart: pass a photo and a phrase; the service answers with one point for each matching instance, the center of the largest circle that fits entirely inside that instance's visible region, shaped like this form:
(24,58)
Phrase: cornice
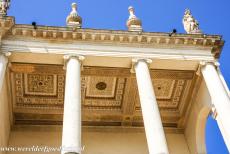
(214,42)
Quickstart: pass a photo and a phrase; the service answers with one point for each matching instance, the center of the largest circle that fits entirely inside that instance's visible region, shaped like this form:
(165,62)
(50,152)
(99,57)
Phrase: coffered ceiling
(109,95)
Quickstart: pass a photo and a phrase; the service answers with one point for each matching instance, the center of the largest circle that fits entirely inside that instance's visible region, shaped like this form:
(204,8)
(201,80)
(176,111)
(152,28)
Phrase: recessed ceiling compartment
(109,95)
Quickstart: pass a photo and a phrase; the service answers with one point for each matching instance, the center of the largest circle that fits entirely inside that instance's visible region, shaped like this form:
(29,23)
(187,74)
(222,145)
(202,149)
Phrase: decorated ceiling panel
(109,95)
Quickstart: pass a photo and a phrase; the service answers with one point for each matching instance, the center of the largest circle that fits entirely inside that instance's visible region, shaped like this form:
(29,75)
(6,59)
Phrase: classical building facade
(109,92)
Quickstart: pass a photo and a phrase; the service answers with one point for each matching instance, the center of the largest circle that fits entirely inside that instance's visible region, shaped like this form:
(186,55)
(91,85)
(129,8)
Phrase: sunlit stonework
(73,19)
(191,25)
(133,23)
(126,92)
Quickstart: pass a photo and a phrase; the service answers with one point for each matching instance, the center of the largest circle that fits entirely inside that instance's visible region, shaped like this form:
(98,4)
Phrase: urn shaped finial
(133,23)
(73,19)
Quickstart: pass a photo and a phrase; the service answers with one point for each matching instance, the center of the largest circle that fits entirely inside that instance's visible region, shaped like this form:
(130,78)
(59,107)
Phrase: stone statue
(191,25)
(131,13)
(4,5)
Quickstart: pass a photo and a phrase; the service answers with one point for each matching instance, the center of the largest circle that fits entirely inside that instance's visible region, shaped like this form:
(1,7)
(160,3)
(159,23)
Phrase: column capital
(147,60)
(78,57)
(215,63)
(204,63)
(136,60)
(6,54)
(66,58)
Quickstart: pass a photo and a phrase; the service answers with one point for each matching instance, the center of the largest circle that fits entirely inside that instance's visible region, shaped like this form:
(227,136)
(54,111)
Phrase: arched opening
(200,129)
(213,137)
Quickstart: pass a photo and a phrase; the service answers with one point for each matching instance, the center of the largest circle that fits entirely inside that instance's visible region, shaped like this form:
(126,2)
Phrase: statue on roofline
(191,25)
(4,6)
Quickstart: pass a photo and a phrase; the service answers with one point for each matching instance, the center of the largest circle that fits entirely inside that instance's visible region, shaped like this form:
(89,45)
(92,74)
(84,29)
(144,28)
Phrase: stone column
(71,133)
(152,121)
(3,64)
(220,99)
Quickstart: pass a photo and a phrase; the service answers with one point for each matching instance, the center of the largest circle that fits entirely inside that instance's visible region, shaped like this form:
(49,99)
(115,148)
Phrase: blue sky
(156,16)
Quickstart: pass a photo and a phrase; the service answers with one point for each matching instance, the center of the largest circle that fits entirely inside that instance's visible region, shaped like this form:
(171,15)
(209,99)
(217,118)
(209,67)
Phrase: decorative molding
(60,34)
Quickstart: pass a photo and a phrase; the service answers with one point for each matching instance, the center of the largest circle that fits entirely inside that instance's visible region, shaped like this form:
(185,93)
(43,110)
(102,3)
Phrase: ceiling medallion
(101,85)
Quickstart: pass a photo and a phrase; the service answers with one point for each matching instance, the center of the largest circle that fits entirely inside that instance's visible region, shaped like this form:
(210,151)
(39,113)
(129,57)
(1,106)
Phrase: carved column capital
(6,54)
(79,57)
(3,66)
(66,58)
(204,63)
(215,63)
(136,60)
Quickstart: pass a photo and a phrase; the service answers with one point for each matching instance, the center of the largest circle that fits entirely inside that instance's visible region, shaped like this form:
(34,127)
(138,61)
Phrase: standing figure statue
(191,25)
(4,6)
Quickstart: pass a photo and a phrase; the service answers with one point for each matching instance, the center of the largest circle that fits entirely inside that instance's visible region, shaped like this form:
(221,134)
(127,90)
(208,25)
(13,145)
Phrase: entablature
(69,39)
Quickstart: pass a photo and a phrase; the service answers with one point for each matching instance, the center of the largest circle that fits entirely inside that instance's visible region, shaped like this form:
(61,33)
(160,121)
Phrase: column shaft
(152,121)
(3,64)
(220,99)
(71,137)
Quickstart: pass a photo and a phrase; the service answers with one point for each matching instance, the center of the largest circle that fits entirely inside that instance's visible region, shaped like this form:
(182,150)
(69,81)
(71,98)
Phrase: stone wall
(97,142)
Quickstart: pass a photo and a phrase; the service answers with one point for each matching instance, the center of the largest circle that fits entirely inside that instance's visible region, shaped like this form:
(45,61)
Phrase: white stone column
(3,65)
(220,99)
(71,133)
(152,121)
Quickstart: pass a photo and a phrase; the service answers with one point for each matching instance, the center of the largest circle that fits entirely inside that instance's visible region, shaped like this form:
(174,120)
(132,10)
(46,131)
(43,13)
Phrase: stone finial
(4,6)
(191,25)
(73,19)
(133,23)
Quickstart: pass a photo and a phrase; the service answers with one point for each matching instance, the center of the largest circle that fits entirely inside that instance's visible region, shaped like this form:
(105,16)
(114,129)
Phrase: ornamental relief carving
(36,84)
(105,91)
(36,90)
(168,93)
(98,92)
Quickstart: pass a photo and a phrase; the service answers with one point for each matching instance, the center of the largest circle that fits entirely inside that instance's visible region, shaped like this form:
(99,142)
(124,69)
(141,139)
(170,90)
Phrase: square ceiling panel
(103,92)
